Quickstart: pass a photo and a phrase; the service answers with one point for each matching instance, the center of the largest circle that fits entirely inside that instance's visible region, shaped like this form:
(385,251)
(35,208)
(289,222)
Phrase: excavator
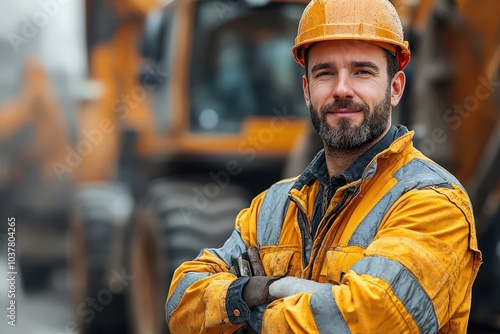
(230,112)
(196,107)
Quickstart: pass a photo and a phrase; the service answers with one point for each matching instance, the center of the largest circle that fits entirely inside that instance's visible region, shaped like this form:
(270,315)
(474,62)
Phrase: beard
(346,136)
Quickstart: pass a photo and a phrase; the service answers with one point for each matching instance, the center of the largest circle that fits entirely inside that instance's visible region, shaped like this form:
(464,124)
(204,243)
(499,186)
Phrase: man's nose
(343,86)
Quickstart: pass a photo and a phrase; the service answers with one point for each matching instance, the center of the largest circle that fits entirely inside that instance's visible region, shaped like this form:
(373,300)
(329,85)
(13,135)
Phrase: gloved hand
(256,291)
(288,286)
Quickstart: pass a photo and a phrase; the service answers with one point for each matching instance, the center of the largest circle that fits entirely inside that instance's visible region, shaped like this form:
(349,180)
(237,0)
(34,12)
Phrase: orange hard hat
(374,21)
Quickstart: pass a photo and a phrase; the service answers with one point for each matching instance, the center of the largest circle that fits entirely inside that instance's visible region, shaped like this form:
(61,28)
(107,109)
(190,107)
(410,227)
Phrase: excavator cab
(241,66)
(227,71)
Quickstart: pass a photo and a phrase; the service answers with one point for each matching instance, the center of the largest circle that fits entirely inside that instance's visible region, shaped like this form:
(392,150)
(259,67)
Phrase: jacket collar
(391,143)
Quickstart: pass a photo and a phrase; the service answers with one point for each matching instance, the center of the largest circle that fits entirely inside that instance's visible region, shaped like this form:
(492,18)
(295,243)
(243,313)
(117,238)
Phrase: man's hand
(256,291)
(288,286)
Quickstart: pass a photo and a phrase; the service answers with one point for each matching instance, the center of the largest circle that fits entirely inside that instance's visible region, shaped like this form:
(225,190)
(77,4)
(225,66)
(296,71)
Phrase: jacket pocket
(280,261)
(338,262)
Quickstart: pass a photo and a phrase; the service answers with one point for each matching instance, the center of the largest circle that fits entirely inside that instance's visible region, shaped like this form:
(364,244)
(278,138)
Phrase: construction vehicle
(228,113)
(214,145)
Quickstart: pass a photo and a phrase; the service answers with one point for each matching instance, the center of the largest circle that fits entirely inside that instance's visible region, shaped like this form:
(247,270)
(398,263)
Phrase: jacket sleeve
(204,297)
(416,276)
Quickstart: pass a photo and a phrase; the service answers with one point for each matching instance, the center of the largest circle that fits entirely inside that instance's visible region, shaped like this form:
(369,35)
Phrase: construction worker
(372,237)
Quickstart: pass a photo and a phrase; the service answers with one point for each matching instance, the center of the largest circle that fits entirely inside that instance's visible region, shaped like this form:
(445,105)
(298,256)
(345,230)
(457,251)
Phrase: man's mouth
(344,112)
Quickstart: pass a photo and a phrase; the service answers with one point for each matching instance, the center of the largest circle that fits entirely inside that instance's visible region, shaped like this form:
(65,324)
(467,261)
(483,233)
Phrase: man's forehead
(347,48)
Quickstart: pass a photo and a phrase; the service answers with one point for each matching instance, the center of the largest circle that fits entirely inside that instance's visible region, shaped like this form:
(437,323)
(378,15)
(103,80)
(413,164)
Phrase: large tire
(98,277)
(173,224)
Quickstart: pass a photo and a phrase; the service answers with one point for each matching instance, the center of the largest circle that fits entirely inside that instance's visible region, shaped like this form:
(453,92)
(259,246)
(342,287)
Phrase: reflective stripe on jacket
(398,245)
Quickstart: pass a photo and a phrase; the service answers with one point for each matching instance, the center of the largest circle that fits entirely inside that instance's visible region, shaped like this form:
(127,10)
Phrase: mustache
(342,104)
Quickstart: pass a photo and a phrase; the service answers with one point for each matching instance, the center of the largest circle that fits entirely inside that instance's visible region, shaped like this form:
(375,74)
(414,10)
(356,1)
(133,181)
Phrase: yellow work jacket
(396,247)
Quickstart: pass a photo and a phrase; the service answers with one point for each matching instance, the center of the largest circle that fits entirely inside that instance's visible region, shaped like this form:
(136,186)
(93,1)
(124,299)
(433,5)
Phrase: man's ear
(305,88)
(397,87)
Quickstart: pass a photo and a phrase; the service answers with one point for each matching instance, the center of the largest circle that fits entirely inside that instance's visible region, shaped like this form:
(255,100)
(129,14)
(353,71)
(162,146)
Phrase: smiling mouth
(344,112)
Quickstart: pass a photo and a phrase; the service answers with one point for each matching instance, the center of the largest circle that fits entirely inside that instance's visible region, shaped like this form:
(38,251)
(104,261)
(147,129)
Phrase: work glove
(256,291)
(288,286)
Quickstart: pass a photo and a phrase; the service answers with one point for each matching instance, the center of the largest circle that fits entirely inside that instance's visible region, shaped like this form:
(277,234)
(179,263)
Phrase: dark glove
(256,291)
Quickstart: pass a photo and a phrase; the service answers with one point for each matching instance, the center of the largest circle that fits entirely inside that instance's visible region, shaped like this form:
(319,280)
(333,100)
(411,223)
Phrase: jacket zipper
(307,241)
(305,235)
(324,204)
(332,215)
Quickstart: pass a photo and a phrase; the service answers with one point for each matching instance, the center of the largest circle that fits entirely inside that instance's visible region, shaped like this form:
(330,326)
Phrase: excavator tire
(175,221)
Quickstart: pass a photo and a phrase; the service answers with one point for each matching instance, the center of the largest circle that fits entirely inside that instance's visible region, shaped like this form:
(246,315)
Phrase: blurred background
(133,131)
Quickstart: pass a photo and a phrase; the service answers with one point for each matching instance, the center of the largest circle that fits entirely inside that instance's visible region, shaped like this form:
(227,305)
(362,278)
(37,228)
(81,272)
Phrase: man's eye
(364,72)
(325,73)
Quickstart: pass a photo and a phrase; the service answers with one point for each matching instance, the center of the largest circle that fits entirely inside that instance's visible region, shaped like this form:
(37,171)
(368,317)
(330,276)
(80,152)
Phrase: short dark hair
(392,63)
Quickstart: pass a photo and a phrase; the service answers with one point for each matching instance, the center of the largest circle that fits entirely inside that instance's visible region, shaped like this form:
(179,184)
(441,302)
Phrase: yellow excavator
(202,99)
(228,104)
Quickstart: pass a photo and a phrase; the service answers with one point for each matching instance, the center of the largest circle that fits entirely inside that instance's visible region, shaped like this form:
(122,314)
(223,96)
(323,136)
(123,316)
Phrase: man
(372,237)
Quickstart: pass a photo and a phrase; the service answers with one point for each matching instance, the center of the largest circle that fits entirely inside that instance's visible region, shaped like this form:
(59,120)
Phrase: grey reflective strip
(443,173)
(416,174)
(233,247)
(405,286)
(178,293)
(327,314)
(272,212)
